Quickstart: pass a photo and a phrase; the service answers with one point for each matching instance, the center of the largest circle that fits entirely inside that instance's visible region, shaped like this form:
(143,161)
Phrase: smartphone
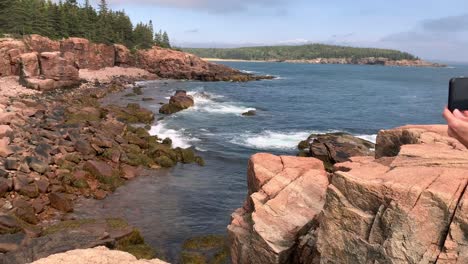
(458,94)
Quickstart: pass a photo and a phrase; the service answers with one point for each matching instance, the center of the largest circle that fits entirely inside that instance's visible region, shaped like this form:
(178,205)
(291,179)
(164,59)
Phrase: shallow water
(172,205)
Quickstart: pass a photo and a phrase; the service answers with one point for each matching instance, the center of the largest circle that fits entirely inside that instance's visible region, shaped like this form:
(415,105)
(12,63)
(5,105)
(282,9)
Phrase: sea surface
(171,205)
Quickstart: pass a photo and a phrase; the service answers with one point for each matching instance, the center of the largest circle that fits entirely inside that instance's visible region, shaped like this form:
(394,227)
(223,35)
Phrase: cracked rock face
(285,193)
(407,206)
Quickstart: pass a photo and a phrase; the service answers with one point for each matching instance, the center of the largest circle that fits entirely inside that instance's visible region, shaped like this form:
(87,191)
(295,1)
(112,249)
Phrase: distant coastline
(351,61)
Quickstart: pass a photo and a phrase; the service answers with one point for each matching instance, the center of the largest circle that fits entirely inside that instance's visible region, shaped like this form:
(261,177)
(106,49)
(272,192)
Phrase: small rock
(42,185)
(100,195)
(4,173)
(11,164)
(250,113)
(5,149)
(98,168)
(84,147)
(37,165)
(60,202)
(129,172)
(5,130)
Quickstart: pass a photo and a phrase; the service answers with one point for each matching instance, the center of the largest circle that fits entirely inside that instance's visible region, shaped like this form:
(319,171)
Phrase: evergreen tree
(165,40)
(67,18)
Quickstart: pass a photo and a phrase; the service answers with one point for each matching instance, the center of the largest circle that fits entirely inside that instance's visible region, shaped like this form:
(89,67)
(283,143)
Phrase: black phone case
(451,100)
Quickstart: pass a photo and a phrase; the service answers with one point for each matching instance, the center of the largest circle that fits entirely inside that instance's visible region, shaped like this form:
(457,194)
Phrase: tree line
(69,18)
(304,52)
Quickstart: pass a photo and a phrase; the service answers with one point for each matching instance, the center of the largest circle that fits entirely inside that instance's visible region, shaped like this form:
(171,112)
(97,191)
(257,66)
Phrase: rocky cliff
(46,64)
(408,204)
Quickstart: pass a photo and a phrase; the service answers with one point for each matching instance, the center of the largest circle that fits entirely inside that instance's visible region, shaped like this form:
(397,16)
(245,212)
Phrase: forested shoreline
(70,18)
(303,52)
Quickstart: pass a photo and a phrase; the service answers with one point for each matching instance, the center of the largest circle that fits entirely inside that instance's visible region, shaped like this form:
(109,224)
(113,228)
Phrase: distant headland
(314,54)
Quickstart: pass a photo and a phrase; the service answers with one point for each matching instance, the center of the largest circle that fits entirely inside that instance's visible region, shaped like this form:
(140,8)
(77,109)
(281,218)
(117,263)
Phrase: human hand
(457,125)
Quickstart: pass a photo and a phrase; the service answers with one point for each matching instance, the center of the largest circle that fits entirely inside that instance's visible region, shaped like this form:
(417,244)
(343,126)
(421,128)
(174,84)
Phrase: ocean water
(172,205)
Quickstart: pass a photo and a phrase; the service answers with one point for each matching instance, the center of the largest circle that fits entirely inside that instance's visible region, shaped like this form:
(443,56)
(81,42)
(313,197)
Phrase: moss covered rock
(165,162)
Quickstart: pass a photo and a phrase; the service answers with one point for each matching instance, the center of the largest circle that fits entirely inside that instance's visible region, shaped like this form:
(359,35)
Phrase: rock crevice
(408,204)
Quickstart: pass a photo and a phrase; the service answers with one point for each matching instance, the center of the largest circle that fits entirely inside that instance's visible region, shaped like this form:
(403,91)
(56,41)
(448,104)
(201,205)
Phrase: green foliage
(304,52)
(63,19)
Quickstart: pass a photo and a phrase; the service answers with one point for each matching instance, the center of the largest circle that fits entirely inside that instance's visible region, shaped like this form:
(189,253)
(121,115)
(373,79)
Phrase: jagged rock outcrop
(178,102)
(88,55)
(174,64)
(10,50)
(70,55)
(285,194)
(41,44)
(333,148)
(408,205)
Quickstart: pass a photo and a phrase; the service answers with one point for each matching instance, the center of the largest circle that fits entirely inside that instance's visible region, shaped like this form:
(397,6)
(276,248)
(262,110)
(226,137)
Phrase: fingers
(451,119)
(458,114)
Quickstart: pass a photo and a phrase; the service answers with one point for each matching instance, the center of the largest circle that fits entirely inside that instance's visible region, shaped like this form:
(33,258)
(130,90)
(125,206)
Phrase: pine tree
(165,40)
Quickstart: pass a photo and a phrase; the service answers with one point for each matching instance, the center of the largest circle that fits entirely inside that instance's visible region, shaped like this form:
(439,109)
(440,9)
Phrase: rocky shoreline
(59,146)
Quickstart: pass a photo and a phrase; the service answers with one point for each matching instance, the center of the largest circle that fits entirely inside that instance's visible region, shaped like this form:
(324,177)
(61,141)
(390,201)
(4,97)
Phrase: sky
(431,29)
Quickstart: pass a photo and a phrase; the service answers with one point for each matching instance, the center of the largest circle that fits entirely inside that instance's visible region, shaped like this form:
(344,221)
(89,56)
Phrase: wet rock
(146,99)
(99,168)
(250,113)
(133,113)
(129,172)
(25,211)
(336,147)
(61,202)
(165,162)
(178,102)
(9,224)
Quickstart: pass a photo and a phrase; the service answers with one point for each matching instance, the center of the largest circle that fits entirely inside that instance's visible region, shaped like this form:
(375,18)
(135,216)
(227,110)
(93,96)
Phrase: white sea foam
(270,140)
(371,138)
(204,103)
(177,136)
(248,72)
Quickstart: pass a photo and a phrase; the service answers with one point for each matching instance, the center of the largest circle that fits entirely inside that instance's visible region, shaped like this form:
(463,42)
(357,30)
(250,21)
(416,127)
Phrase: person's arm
(457,125)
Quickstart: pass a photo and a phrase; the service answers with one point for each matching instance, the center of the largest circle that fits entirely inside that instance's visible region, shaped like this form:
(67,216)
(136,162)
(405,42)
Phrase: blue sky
(435,30)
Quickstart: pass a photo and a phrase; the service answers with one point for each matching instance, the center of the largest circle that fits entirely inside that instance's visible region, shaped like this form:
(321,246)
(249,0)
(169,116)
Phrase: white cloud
(217,6)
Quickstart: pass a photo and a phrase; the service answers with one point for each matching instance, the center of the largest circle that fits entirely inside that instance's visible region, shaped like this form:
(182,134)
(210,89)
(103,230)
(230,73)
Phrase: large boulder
(285,195)
(30,64)
(180,101)
(336,147)
(10,49)
(56,72)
